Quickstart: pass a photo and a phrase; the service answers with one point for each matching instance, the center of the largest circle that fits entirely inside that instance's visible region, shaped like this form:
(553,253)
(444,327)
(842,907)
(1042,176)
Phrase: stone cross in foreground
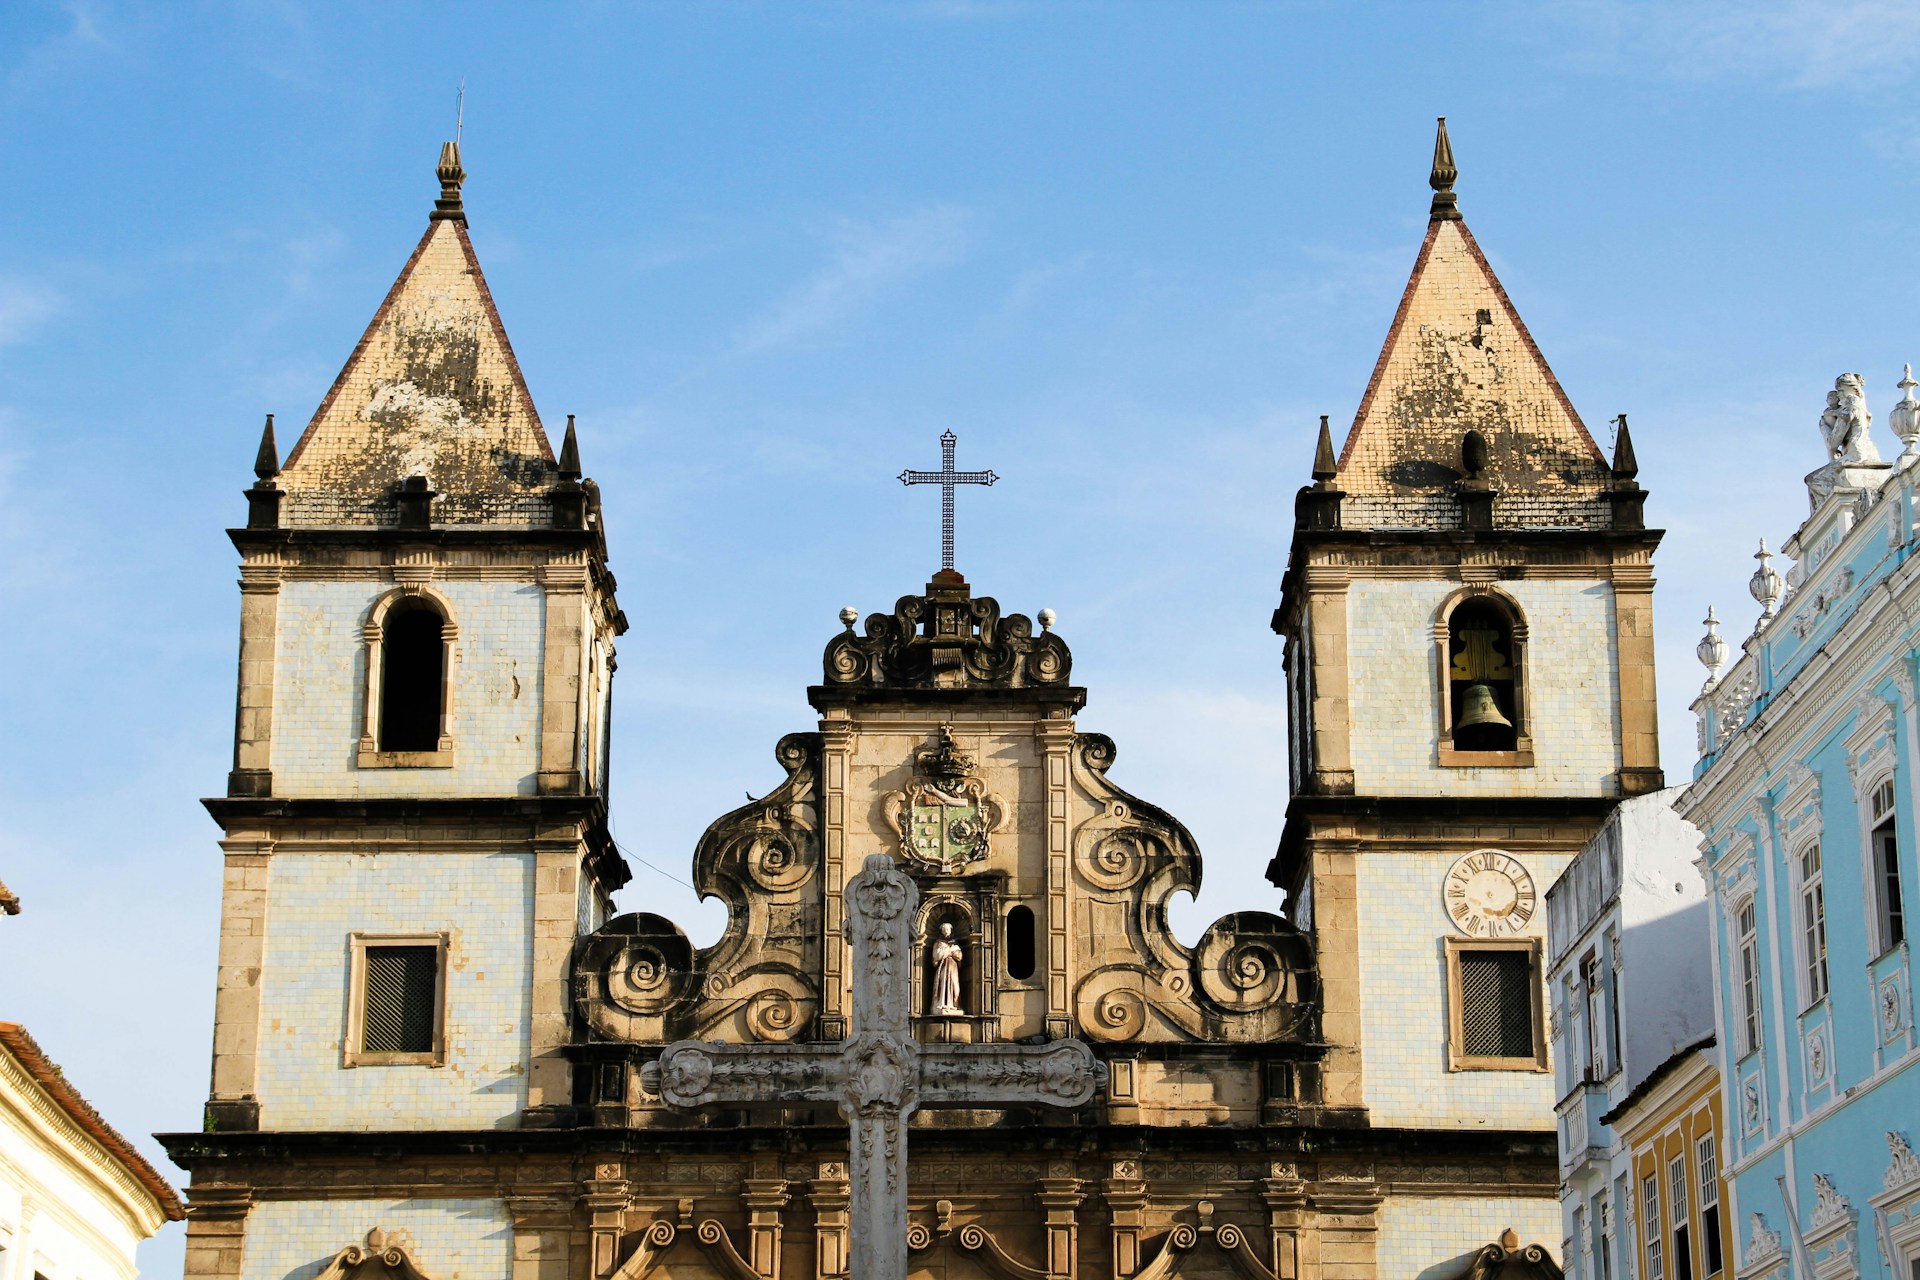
(880,1074)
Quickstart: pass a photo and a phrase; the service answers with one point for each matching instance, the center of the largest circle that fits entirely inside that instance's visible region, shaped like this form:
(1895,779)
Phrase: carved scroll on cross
(1251,978)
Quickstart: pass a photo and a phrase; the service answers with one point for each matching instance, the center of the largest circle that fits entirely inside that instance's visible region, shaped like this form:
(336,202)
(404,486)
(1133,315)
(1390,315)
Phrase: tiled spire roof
(432,389)
(1458,358)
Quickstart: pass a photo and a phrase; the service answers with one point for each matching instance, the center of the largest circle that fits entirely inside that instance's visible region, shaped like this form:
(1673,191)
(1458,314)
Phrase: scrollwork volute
(947,638)
(638,977)
(1251,978)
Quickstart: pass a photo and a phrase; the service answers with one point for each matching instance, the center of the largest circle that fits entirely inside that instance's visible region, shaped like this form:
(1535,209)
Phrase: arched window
(412,677)
(1483,700)
(1020,942)
(1890,922)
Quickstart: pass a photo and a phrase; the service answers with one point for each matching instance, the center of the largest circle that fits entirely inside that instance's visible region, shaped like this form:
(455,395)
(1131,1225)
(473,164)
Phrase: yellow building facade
(1681,1219)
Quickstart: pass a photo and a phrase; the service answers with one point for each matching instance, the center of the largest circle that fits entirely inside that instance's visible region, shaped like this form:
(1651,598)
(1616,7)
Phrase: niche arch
(398,643)
(1480,656)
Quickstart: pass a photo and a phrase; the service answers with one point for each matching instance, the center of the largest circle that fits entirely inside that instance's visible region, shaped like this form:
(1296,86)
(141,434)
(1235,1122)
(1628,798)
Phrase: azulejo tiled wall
(447,1239)
(318,900)
(1434,1237)
(320,691)
(1395,691)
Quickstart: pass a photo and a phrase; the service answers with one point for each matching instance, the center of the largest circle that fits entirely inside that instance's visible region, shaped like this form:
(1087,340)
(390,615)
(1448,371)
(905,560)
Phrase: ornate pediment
(385,1256)
(947,639)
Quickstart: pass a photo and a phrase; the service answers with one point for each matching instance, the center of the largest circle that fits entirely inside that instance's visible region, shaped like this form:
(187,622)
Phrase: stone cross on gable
(880,1075)
(946,477)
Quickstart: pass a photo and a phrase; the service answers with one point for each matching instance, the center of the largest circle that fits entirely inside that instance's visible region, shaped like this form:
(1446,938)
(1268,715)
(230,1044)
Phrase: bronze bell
(1477,707)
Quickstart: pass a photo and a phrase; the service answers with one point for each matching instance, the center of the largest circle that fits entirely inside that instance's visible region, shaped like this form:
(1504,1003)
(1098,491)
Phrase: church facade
(438,1052)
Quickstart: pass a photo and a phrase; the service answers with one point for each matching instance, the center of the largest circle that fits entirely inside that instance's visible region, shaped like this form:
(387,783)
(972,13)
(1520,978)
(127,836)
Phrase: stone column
(1349,1229)
(232,1103)
(1633,651)
(216,1231)
(1336,938)
(253,713)
(1060,1196)
(1286,1198)
(836,751)
(541,1227)
(764,1198)
(1126,1196)
(829,1198)
(556,925)
(1327,626)
(606,1203)
(563,675)
(1056,739)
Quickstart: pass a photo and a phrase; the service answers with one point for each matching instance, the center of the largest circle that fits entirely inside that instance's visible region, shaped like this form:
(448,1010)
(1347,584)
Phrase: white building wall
(319,697)
(447,1239)
(58,1219)
(1435,1237)
(1570,670)
(1404,1011)
(316,900)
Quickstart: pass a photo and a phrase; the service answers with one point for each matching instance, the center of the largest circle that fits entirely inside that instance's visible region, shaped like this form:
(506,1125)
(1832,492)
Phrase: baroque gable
(1051,879)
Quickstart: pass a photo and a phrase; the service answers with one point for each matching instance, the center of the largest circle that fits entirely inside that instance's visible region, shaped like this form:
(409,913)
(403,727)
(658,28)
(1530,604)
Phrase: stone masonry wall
(1570,678)
(320,691)
(448,1239)
(317,900)
(1403,974)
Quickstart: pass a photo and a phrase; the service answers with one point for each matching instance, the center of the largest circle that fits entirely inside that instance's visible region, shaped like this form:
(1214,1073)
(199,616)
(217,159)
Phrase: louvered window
(1496,1004)
(395,1011)
(400,1003)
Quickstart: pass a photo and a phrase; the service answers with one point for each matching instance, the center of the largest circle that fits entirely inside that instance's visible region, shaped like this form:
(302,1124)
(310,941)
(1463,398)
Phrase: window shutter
(402,985)
(1496,1004)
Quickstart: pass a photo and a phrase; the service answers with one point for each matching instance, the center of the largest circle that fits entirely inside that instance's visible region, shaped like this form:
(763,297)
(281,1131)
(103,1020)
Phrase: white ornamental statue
(1844,422)
(1905,418)
(946,954)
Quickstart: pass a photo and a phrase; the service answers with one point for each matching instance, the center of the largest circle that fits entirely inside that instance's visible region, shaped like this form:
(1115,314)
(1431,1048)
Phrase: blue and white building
(1807,792)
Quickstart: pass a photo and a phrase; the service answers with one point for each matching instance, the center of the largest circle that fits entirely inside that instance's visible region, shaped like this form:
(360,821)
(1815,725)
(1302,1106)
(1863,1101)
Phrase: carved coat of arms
(944,816)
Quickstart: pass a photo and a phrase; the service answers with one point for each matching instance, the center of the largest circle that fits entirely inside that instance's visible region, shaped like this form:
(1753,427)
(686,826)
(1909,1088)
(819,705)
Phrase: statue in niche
(945,954)
(1844,423)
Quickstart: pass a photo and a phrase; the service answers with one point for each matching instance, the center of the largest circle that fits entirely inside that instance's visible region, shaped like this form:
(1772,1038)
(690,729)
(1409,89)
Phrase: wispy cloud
(1801,44)
(870,261)
(24,307)
(54,57)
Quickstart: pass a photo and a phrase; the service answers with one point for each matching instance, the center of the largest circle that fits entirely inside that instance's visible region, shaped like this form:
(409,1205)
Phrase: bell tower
(415,825)
(1468,625)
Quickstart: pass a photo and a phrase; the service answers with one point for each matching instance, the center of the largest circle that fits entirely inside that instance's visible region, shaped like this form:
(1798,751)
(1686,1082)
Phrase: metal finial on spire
(570,454)
(266,463)
(1324,469)
(448,208)
(1445,207)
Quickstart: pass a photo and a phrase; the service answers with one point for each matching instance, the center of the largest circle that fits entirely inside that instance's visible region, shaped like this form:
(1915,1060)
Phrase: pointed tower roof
(1458,358)
(431,390)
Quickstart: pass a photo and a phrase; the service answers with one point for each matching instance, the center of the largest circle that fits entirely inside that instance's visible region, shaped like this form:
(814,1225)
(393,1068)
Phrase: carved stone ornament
(947,639)
(638,977)
(1252,977)
(1828,1204)
(1762,1245)
(1904,1169)
(944,817)
(385,1254)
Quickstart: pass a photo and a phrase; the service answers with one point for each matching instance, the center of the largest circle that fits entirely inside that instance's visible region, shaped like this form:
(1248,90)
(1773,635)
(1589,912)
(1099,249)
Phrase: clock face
(1489,894)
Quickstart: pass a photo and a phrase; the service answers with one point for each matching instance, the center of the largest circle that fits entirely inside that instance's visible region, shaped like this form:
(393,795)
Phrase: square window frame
(352,1054)
(1457,1060)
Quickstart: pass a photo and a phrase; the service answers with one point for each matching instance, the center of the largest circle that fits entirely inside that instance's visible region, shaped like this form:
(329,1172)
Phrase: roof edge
(47,1074)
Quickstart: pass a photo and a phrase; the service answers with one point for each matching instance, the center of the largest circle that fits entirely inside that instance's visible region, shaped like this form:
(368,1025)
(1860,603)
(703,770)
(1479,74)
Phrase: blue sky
(767,252)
